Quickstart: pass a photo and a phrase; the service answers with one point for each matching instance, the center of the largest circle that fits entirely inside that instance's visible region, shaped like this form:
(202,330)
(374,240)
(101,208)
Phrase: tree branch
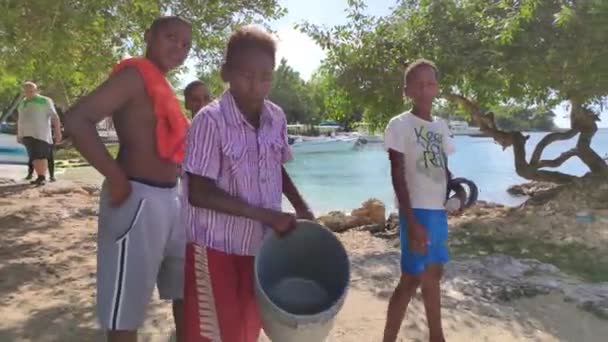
(586,120)
(557,162)
(485,122)
(518,141)
(549,139)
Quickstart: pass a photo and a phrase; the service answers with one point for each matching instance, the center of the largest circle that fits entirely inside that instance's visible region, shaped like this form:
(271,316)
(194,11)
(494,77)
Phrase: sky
(304,55)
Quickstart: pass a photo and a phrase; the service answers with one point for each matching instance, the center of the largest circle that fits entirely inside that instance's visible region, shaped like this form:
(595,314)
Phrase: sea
(343,181)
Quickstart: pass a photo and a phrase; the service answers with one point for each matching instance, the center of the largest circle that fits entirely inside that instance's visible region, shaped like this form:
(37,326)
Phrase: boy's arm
(417,236)
(396,143)
(55,122)
(400,185)
(294,197)
(56,129)
(82,118)
(19,126)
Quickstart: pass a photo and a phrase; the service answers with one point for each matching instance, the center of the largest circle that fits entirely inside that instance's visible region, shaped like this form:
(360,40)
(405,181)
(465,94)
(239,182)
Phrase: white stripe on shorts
(121,271)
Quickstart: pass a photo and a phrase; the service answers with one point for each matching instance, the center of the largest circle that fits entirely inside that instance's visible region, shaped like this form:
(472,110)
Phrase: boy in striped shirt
(234,155)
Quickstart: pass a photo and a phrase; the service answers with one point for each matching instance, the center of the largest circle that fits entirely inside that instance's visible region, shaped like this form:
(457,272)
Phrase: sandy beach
(47,284)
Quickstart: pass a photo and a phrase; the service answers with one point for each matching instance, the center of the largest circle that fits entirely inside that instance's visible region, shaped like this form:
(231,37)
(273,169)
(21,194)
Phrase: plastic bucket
(301,282)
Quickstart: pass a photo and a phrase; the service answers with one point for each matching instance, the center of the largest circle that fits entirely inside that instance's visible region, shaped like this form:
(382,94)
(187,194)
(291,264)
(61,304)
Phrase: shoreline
(86,174)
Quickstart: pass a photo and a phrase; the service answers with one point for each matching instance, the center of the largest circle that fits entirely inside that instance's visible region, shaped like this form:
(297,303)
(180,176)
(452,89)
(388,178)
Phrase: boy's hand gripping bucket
(301,282)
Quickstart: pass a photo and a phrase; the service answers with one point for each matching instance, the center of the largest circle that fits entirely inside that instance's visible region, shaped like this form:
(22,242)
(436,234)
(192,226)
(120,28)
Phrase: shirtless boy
(140,238)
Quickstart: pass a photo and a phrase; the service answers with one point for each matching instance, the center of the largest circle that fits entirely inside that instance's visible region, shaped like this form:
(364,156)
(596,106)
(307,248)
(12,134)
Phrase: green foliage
(303,102)
(70,153)
(214,82)
(450,111)
(519,118)
(533,52)
(573,258)
(70,46)
(333,102)
(363,65)
(293,95)
(288,91)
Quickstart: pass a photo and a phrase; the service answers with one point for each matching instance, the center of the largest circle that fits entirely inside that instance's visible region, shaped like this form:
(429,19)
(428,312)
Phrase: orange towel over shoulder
(171,124)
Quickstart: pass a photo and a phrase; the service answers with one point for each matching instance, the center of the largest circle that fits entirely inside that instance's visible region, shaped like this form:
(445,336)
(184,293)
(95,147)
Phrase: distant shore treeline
(508,117)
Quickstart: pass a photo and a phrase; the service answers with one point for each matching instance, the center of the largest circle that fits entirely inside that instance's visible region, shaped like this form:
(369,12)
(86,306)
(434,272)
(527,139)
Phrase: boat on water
(366,135)
(373,139)
(368,138)
(462,128)
(11,152)
(323,145)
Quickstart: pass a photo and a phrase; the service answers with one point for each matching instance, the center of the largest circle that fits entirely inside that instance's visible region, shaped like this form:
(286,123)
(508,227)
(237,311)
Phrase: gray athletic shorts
(140,244)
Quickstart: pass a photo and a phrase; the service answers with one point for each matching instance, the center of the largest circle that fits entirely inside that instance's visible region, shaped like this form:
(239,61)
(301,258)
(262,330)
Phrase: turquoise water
(342,181)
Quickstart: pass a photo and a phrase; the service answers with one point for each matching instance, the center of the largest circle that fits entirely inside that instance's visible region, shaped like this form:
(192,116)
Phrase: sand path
(47,285)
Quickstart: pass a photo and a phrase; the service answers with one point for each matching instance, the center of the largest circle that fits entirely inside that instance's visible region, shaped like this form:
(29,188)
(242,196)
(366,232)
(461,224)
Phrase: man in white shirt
(36,114)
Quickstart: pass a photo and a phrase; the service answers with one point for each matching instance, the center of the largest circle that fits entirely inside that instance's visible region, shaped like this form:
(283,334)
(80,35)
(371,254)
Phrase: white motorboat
(367,138)
(463,128)
(366,135)
(11,152)
(372,139)
(324,145)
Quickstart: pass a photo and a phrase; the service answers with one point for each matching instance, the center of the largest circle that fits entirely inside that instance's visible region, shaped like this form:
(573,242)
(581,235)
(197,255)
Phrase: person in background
(36,116)
(50,159)
(196,96)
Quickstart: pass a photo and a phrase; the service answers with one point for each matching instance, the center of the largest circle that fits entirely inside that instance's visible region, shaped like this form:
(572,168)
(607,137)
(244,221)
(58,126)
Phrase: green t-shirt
(35,118)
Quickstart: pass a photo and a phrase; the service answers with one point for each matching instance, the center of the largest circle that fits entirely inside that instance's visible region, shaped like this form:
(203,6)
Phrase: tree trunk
(586,121)
(583,124)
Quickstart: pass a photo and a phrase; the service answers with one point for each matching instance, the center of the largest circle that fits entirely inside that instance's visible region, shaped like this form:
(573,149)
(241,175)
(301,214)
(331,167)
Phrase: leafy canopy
(528,51)
(69,46)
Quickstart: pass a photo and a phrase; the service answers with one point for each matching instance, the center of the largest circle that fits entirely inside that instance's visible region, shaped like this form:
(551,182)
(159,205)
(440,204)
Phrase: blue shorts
(436,224)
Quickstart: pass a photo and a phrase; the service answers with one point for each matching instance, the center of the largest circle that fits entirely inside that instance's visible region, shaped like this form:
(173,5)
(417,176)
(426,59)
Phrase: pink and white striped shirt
(243,161)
